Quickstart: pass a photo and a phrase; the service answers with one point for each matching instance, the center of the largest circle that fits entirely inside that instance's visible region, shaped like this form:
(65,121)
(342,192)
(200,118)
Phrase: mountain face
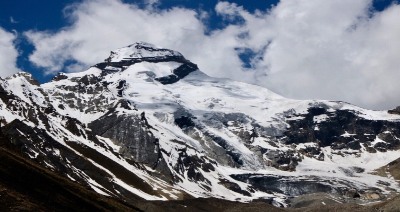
(148,124)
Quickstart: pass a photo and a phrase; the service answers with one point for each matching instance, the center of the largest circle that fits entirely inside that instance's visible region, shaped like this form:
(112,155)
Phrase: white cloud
(99,26)
(8,54)
(328,49)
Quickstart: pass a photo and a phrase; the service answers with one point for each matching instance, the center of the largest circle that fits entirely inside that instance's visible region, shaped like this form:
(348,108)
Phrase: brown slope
(393,168)
(25,186)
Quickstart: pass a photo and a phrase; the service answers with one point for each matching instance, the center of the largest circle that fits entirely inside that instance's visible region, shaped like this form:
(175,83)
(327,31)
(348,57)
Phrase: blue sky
(300,49)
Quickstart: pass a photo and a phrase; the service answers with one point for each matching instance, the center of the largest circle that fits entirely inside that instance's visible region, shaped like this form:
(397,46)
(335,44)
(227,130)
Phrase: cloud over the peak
(8,54)
(99,26)
(339,50)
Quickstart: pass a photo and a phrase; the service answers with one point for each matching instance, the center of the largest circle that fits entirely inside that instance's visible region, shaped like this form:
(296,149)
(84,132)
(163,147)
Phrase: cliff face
(147,124)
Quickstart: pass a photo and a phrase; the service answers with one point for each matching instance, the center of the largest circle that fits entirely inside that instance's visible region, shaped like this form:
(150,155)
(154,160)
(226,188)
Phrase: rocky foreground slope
(148,124)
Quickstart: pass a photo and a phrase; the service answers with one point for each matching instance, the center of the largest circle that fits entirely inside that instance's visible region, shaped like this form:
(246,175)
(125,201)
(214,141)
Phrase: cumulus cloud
(338,50)
(325,50)
(99,26)
(8,54)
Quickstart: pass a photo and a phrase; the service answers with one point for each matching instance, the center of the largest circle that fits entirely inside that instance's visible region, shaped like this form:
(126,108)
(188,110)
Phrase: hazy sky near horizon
(302,49)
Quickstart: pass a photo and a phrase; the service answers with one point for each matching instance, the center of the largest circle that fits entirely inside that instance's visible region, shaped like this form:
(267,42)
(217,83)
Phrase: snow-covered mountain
(147,123)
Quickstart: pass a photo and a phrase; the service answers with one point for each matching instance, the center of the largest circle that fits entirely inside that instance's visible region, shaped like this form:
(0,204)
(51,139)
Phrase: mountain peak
(24,75)
(141,50)
(151,125)
(163,65)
